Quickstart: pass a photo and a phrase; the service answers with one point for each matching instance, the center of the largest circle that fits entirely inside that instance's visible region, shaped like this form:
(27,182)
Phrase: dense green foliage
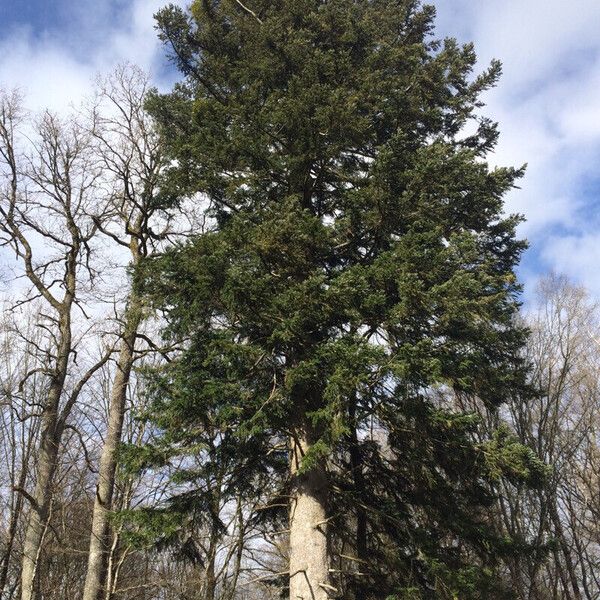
(357,277)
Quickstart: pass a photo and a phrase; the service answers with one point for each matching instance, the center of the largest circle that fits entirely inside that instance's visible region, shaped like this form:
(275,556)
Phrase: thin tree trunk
(39,511)
(356,460)
(239,552)
(210,578)
(210,582)
(51,433)
(565,550)
(12,530)
(100,536)
(309,556)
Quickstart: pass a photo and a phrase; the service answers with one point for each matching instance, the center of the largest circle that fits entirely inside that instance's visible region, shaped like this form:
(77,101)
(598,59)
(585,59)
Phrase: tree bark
(309,555)
(38,516)
(51,433)
(559,532)
(356,461)
(100,536)
(12,529)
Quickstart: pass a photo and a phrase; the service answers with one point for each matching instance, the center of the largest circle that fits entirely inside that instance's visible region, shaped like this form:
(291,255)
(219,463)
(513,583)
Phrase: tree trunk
(100,536)
(50,436)
(39,511)
(210,579)
(210,582)
(356,460)
(309,556)
(566,550)
(12,529)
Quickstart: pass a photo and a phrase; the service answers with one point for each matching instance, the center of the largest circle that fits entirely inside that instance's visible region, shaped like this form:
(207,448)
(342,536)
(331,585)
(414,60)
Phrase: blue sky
(76,25)
(548,107)
(547,103)
(53,49)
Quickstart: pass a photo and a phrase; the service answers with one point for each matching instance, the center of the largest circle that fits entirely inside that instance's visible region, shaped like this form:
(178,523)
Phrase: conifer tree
(359,275)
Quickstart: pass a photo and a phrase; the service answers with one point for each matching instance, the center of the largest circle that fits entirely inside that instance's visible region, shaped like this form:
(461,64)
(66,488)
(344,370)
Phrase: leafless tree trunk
(22,389)
(100,534)
(129,150)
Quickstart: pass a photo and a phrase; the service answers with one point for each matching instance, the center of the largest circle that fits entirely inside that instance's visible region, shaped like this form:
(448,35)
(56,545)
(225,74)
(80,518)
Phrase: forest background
(545,65)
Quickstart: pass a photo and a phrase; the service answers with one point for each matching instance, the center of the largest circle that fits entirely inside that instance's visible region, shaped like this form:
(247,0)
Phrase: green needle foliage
(357,278)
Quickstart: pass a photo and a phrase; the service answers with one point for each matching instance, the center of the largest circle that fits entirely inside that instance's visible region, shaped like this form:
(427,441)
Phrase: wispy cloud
(55,65)
(548,106)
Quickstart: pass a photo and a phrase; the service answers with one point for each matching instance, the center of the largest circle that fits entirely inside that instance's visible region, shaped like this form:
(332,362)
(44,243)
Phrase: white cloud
(47,75)
(56,71)
(576,255)
(548,107)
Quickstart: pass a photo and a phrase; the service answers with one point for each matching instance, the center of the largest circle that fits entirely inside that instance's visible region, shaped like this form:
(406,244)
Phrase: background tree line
(261,335)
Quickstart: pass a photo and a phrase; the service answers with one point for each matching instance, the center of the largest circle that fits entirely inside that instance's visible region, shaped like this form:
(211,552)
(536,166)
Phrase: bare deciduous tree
(50,178)
(128,149)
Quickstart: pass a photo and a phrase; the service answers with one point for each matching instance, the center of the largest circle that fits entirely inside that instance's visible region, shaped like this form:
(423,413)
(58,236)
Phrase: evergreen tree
(359,269)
